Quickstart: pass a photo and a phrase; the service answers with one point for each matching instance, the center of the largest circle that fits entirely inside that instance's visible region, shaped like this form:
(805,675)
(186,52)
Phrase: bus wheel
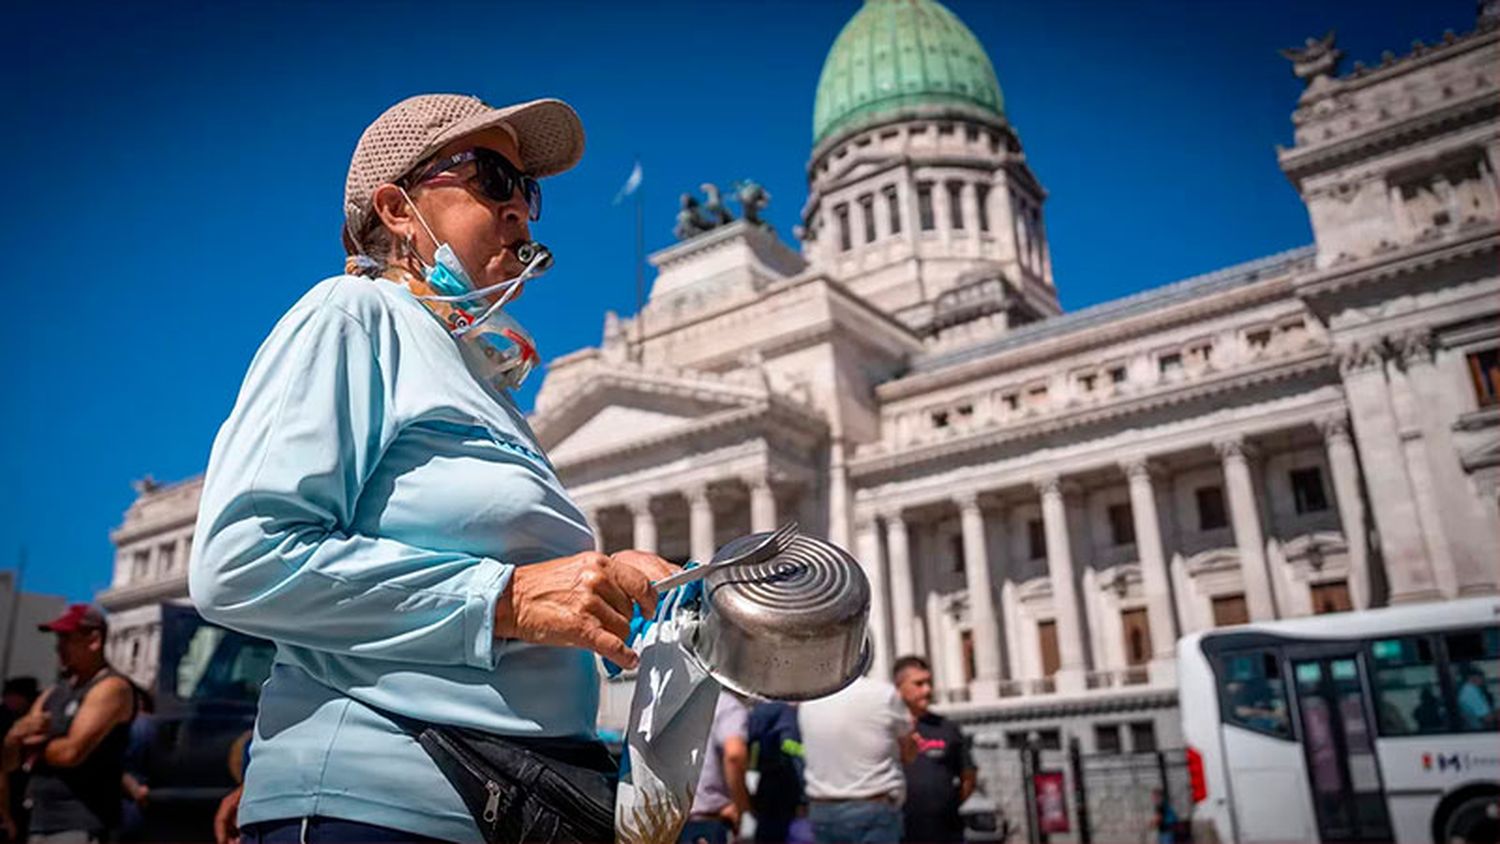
(1476,820)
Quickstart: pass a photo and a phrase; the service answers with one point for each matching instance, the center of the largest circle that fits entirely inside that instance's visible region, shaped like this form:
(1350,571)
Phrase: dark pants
(773,829)
(855,822)
(328,831)
(704,831)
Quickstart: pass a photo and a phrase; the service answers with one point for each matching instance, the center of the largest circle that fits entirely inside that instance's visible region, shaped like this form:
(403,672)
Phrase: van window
(1253,694)
(1408,689)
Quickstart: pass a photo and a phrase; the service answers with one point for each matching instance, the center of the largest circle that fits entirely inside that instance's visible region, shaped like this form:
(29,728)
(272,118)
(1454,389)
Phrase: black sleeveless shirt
(86,796)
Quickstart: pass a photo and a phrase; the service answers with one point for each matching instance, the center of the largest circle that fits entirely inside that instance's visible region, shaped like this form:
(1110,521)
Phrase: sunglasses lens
(499,180)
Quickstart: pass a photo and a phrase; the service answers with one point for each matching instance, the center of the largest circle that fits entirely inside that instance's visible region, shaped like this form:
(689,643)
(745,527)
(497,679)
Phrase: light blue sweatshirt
(365,505)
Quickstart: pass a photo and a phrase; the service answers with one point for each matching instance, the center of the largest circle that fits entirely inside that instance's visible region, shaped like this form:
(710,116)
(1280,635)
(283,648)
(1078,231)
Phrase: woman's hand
(582,601)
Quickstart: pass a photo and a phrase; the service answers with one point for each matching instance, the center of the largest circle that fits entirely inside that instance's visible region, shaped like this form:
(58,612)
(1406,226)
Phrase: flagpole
(640,266)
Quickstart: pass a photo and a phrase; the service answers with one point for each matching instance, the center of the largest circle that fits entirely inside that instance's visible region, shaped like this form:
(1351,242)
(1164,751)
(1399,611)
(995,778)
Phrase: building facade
(1044,501)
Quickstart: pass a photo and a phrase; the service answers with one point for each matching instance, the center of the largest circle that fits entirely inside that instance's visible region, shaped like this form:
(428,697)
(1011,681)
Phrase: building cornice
(909,457)
(1092,335)
(1400,261)
(1038,707)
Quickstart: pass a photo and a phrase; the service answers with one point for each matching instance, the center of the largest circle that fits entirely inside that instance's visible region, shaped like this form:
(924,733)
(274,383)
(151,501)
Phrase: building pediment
(620,406)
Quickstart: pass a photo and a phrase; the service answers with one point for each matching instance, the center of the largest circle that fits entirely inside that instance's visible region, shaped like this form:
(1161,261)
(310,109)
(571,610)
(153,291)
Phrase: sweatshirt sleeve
(272,554)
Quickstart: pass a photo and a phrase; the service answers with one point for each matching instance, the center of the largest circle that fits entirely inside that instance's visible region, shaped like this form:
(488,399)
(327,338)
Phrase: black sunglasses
(498,179)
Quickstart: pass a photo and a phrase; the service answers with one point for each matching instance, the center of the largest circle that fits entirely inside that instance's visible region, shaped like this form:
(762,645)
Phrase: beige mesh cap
(548,133)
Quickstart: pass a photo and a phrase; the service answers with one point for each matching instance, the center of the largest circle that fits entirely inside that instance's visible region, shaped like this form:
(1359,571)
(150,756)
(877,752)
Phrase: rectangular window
(1331,597)
(1121,524)
(1169,363)
(1036,396)
(982,201)
(1307,490)
(956,551)
(956,204)
(140,567)
(1229,610)
(1107,738)
(1011,401)
(893,208)
(1117,375)
(966,640)
(1474,670)
(1252,693)
(1408,689)
(1258,339)
(925,219)
(1137,637)
(1046,637)
(867,210)
(166,554)
(1484,369)
(841,212)
(1086,382)
(1036,539)
(1142,736)
(1211,514)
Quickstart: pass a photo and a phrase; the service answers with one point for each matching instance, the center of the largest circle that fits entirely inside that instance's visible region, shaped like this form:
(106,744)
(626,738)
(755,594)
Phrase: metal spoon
(737,552)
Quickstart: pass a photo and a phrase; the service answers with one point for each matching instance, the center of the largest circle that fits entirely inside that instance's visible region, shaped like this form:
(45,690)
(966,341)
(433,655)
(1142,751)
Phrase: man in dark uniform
(74,738)
(942,776)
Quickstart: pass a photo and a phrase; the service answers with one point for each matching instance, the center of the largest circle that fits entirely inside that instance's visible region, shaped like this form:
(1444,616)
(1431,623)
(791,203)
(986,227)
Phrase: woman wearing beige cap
(377,505)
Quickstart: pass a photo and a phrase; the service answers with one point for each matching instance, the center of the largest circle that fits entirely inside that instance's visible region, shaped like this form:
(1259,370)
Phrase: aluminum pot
(791,627)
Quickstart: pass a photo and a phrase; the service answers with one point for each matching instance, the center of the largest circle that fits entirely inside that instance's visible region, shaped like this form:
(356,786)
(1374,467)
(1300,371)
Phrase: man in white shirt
(856,742)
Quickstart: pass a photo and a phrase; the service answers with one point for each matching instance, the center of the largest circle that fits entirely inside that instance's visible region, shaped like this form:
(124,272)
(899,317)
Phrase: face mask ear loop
(515,284)
(423,221)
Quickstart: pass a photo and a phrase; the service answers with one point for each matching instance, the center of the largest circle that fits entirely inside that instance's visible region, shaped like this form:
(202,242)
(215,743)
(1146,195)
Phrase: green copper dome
(897,55)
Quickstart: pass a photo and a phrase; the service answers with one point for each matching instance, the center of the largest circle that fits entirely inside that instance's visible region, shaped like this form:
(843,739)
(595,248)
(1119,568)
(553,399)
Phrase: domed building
(1045,501)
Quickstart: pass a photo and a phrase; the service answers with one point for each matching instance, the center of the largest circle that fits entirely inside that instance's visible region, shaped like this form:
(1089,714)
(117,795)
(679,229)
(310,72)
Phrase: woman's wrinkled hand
(582,601)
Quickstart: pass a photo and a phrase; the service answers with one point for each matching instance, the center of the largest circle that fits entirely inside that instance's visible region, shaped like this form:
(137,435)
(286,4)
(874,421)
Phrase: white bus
(1370,726)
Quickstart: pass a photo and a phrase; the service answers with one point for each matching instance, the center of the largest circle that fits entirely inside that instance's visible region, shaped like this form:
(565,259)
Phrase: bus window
(1253,693)
(1408,690)
(1474,663)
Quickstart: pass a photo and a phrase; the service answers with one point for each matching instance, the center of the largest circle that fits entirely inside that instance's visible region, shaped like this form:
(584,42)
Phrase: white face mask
(493,342)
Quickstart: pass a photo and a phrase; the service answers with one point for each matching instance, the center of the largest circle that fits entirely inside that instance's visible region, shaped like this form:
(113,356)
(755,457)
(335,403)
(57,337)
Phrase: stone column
(1443,521)
(1239,488)
(838,494)
(762,504)
(1407,567)
(987,641)
(595,527)
(867,547)
(1344,468)
(1155,581)
(1071,668)
(700,524)
(643,525)
(903,609)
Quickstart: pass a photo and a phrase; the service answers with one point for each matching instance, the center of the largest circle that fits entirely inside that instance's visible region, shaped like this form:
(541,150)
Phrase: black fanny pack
(526,790)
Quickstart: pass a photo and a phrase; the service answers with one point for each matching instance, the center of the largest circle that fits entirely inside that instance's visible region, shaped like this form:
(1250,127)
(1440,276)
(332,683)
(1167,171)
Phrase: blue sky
(175,176)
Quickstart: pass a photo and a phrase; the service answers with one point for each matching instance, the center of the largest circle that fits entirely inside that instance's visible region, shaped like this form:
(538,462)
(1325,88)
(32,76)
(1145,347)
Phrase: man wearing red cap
(74,738)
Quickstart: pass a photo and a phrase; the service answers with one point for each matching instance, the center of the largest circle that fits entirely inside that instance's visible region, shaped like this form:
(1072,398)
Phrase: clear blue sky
(174,175)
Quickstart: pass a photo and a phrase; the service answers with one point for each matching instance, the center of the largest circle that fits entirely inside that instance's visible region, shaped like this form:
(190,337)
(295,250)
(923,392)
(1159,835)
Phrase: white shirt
(852,742)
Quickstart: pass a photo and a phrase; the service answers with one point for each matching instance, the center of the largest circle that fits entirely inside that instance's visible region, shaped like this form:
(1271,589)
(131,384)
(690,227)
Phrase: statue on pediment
(713,205)
(753,199)
(690,219)
(1318,58)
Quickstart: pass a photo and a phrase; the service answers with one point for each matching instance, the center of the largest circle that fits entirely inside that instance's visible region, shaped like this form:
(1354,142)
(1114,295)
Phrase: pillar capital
(894,515)
(1053,484)
(1357,357)
(1334,428)
(641,504)
(1139,468)
(1234,448)
(1415,347)
(966,500)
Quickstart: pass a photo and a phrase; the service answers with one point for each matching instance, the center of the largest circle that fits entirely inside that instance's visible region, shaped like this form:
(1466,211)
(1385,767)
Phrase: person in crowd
(943,775)
(856,742)
(75,735)
(776,755)
(1429,714)
(1163,818)
(377,505)
(18,696)
(1475,707)
(135,783)
(722,796)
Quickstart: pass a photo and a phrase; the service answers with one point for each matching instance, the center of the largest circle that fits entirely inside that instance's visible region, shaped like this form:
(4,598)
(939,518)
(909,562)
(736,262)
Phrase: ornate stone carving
(1234,448)
(1048,485)
(1138,467)
(966,500)
(753,199)
(1318,58)
(1359,357)
(1415,347)
(1334,428)
(713,205)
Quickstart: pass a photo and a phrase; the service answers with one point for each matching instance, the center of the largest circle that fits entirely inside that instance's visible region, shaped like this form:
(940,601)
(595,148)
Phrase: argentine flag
(632,182)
